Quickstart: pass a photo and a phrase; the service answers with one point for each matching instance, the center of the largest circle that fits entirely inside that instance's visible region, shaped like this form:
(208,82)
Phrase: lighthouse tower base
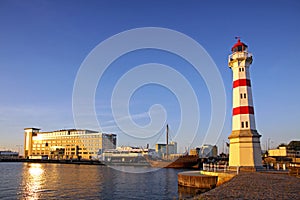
(245,151)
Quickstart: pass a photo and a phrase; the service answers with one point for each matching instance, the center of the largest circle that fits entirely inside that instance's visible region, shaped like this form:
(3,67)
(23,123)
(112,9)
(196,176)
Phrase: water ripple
(57,181)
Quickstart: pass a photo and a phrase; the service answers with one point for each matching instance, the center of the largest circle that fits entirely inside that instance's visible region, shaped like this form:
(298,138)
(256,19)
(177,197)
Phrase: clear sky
(43,44)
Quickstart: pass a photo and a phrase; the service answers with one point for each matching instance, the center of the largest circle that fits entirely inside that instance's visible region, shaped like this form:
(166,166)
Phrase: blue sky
(43,44)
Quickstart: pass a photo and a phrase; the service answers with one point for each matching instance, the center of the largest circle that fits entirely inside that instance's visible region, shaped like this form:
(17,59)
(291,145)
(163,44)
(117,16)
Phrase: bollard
(283,166)
(278,168)
(237,169)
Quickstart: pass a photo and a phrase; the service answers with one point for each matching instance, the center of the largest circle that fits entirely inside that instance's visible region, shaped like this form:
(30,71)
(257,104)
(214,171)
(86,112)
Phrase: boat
(184,161)
(125,156)
(181,161)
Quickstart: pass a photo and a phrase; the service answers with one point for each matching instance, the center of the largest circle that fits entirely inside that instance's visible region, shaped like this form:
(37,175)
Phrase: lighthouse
(245,150)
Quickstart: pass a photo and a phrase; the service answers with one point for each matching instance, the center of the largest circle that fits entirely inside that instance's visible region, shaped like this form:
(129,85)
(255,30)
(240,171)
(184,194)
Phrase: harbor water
(71,181)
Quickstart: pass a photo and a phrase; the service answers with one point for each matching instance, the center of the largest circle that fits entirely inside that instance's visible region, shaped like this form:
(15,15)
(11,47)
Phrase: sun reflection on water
(35,170)
(34,181)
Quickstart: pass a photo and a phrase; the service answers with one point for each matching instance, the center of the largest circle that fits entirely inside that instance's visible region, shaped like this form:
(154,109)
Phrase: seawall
(223,177)
(196,180)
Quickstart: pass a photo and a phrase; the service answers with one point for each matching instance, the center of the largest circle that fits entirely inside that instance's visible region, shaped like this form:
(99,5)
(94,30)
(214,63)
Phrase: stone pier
(197,180)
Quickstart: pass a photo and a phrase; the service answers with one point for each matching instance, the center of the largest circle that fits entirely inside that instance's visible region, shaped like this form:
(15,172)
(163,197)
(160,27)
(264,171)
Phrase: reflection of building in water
(66,144)
(161,148)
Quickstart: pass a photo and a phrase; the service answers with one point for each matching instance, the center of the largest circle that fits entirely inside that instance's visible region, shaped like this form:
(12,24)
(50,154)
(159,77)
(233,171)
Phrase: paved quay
(256,185)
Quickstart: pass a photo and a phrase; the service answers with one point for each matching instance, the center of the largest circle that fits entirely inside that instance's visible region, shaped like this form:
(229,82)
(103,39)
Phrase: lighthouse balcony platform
(243,55)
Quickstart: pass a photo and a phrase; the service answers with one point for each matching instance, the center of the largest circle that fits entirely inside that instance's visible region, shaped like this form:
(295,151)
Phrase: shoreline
(85,162)
(78,162)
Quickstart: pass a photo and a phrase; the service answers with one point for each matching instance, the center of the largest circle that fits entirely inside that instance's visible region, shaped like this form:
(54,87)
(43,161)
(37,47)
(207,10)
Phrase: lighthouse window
(243,95)
(242,124)
(246,124)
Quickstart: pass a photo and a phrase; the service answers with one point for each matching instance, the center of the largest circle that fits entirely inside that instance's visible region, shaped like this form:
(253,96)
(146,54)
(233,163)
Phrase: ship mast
(167,145)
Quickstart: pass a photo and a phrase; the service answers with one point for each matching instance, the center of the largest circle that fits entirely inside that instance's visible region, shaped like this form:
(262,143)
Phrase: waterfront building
(207,151)
(245,149)
(66,144)
(194,152)
(286,152)
(161,149)
(280,152)
(9,154)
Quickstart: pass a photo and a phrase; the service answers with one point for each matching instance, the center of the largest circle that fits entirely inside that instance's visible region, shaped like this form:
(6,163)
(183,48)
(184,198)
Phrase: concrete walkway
(256,185)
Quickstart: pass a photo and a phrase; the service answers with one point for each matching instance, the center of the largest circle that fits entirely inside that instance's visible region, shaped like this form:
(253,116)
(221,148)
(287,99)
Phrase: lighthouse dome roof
(239,46)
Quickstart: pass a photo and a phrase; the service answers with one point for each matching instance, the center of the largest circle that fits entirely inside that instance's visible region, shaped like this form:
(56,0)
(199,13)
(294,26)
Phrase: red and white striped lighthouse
(245,150)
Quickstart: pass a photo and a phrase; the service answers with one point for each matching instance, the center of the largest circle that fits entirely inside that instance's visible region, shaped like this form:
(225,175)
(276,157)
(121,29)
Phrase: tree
(282,145)
(294,145)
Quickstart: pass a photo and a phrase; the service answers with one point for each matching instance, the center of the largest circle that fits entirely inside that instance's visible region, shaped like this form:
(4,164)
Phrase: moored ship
(125,155)
(169,161)
(184,161)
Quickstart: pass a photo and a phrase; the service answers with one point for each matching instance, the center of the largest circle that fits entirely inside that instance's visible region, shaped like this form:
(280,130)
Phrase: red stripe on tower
(241,82)
(243,110)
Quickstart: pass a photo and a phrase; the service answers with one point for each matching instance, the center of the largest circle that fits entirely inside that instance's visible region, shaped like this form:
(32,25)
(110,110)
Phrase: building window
(246,124)
(240,69)
(245,95)
(242,124)
(241,95)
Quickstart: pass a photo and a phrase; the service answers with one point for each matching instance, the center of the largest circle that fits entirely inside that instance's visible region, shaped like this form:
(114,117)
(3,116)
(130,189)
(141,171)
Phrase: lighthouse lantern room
(245,150)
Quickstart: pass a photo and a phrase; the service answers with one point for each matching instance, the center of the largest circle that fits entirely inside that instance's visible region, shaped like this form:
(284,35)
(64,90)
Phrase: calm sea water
(62,181)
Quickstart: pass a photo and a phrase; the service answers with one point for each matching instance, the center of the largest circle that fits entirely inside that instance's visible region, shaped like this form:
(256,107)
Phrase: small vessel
(182,161)
(125,156)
